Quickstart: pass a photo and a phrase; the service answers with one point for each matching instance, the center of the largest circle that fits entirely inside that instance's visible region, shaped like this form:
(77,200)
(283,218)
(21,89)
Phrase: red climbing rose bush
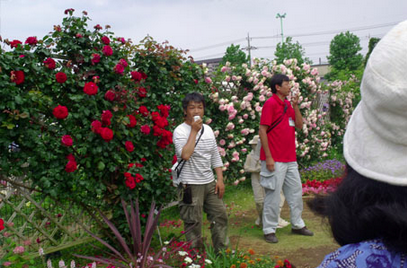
(88,116)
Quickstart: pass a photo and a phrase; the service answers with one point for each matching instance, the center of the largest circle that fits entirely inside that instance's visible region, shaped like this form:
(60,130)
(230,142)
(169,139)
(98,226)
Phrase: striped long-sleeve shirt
(198,169)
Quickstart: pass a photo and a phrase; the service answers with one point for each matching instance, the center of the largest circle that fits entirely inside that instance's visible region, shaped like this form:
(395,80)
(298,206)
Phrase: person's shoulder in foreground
(372,253)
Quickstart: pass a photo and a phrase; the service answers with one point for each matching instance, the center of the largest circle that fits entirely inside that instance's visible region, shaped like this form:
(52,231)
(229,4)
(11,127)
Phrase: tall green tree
(372,43)
(290,50)
(344,52)
(235,55)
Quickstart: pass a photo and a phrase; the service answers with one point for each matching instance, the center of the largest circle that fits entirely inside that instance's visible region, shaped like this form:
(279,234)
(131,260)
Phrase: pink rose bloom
(245,116)
(216,132)
(7,263)
(222,142)
(19,250)
(232,116)
(222,107)
(208,121)
(244,150)
(208,80)
(66,140)
(107,51)
(236,182)
(227,78)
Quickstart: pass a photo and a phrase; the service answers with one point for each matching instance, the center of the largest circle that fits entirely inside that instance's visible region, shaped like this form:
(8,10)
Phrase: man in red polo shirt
(279,168)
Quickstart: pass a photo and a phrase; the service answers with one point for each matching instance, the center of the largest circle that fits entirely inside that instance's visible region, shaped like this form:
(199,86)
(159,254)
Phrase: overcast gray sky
(207,27)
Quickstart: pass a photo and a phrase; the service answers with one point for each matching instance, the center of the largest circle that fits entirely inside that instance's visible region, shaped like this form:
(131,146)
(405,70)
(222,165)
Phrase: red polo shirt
(281,139)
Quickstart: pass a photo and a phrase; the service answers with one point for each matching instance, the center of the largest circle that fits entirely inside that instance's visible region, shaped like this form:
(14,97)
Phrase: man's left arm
(298,116)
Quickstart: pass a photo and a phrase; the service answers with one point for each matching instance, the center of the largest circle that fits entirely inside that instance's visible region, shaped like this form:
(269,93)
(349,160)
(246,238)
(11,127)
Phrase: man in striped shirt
(197,175)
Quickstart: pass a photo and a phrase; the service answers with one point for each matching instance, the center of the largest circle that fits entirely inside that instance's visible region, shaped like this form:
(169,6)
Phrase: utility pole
(249,48)
(281,17)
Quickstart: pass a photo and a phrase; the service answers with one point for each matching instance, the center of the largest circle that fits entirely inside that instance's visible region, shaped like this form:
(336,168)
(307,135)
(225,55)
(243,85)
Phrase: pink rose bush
(239,92)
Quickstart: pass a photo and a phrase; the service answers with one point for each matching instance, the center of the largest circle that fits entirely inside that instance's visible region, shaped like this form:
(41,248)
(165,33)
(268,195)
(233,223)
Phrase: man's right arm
(264,143)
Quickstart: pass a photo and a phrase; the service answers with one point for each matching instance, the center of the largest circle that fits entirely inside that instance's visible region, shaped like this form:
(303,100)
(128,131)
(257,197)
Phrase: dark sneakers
(302,231)
(270,238)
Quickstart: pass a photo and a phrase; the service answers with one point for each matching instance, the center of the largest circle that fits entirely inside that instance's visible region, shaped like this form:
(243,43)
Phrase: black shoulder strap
(178,168)
(275,123)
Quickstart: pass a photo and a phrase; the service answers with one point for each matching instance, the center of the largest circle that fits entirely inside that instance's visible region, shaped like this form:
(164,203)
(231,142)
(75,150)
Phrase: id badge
(291,122)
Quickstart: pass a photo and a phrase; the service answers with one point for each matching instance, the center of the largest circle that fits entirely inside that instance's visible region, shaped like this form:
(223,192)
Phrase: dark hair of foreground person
(362,209)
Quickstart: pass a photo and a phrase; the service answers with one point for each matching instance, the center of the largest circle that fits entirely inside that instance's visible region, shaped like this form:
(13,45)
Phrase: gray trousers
(205,200)
(287,178)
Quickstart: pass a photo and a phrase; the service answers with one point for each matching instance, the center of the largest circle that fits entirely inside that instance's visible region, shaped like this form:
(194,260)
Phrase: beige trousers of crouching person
(258,192)
(204,199)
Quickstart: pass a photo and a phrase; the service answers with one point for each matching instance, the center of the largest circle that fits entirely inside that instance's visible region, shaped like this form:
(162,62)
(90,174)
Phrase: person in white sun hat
(368,212)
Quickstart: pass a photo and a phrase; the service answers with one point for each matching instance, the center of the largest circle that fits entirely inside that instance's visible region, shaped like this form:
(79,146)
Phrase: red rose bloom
(71,166)
(98,27)
(66,140)
(174,159)
(110,95)
(143,110)
(1,224)
(107,51)
(96,126)
(15,43)
(32,40)
(130,183)
(133,121)
(145,129)
(107,134)
(106,116)
(60,112)
(143,159)
(139,178)
(119,69)
(136,76)
(142,92)
(61,77)
(17,77)
(105,40)
(143,76)
(69,10)
(90,88)
(164,109)
(95,58)
(123,62)
(157,131)
(129,146)
(70,157)
(196,81)
(49,63)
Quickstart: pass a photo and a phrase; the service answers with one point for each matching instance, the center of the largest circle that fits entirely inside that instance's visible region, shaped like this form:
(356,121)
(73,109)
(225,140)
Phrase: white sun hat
(375,142)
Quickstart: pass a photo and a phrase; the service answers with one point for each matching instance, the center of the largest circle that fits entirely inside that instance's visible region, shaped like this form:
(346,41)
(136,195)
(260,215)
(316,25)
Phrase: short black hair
(277,79)
(363,209)
(195,97)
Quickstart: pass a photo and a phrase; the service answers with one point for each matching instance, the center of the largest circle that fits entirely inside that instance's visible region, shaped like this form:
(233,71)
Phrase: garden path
(303,252)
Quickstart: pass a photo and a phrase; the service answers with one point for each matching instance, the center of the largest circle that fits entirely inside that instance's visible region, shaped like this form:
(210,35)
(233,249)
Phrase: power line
(362,28)
(218,45)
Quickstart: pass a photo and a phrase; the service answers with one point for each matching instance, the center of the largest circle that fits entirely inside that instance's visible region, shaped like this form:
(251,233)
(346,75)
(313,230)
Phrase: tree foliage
(372,43)
(344,52)
(290,50)
(234,55)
